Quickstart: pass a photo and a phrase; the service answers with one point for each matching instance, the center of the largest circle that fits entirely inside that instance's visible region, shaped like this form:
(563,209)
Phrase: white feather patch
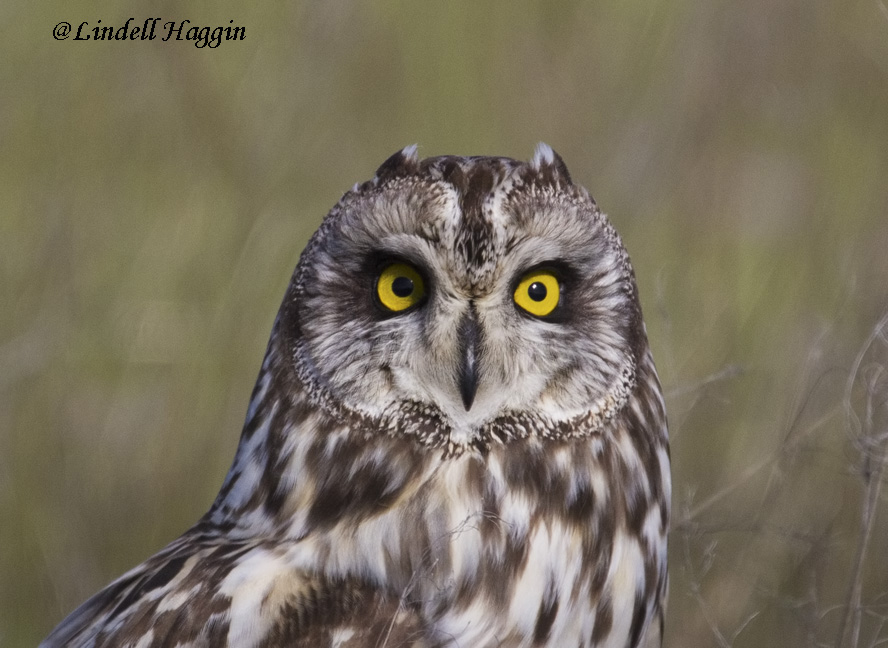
(411,152)
(543,155)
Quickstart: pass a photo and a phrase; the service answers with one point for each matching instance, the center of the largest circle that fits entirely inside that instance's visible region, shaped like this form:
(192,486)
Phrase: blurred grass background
(154,198)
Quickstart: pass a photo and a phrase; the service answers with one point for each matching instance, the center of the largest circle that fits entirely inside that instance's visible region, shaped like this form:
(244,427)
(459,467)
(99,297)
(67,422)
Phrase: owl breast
(533,543)
(530,547)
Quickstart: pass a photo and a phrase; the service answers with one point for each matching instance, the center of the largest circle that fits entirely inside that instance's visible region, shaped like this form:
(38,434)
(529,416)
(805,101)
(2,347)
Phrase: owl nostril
(470,345)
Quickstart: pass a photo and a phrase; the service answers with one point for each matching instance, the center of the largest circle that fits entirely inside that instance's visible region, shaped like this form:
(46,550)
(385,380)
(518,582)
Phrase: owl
(457,438)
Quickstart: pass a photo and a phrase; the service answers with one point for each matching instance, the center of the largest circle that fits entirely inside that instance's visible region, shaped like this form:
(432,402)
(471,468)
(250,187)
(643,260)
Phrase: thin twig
(750,472)
(873,455)
(725,373)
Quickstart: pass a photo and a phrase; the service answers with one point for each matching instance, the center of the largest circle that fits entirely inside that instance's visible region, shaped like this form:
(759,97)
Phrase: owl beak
(470,345)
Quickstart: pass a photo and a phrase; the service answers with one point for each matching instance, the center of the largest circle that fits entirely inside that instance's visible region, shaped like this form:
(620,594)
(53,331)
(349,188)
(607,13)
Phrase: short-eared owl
(457,437)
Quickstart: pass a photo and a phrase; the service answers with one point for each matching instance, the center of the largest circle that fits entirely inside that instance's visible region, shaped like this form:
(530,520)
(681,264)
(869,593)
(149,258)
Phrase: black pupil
(537,291)
(402,286)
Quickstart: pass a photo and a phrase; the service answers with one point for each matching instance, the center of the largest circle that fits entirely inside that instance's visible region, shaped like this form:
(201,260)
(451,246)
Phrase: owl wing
(236,594)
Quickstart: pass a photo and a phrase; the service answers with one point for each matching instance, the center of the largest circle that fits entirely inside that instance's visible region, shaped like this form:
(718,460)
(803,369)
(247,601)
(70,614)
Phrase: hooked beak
(470,346)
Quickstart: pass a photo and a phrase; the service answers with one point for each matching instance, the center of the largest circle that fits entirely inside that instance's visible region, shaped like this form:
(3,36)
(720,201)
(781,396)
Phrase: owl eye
(399,287)
(538,292)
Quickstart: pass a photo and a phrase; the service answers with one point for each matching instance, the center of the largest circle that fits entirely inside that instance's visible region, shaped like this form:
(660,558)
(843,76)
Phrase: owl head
(461,299)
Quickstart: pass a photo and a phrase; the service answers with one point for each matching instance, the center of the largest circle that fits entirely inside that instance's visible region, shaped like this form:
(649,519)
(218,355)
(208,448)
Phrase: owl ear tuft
(549,166)
(404,162)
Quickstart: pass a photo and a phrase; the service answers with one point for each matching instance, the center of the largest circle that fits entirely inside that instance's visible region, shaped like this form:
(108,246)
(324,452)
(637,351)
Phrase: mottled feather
(368,504)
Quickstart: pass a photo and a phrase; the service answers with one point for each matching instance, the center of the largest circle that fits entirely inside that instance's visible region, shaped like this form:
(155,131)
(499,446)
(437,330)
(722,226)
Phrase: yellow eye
(399,287)
(538,293)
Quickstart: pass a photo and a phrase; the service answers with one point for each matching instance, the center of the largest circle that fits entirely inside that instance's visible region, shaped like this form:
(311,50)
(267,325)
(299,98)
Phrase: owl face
(465,290)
